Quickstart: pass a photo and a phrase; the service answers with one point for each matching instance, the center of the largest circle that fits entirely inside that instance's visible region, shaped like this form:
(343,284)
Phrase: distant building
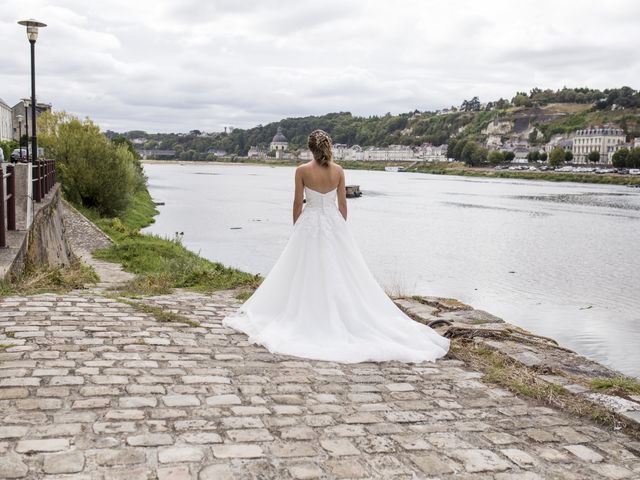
(389,154)
(563,141)
(521,155)
(605,140)
(19,109)
(156,154)
(430,153)
(256,152)
(218,152)
(279,143)
(306,155)
(6,122)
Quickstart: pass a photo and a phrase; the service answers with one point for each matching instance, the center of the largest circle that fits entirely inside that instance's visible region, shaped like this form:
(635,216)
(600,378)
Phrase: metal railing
(44,178)
(7,203)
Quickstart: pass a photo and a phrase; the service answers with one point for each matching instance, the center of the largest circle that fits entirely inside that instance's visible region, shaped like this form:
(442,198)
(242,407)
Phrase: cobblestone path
(91,388)
(84,237)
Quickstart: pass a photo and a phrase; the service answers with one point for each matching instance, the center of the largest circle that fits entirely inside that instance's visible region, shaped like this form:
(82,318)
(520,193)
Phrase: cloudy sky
(177,65)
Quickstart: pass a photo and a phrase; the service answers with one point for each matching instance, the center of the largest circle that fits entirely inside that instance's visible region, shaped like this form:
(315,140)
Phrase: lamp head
(32,28)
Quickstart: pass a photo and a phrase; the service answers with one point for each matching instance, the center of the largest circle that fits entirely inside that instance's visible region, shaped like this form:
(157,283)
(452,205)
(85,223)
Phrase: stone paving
(90,388)
(84,237)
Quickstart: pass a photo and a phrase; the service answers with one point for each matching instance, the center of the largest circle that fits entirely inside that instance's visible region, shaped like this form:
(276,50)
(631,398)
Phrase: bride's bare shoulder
(303,167)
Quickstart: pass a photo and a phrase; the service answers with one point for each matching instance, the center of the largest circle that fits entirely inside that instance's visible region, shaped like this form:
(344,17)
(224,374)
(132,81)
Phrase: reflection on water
(560,259)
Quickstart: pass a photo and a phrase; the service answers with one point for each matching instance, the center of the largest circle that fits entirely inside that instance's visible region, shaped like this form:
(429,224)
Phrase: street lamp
(32,34)
(25,102)
(19,118)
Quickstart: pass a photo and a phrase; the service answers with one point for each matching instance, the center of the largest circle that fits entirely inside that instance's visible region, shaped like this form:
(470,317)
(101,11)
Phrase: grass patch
(4,346)
(502,370)
(244,294)
(160,314)
(10,334)
(60,279)
(614,385)
(160,264)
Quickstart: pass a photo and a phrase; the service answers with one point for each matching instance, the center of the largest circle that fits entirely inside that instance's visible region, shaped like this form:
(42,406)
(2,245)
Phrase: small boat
(353,191)
(394,169)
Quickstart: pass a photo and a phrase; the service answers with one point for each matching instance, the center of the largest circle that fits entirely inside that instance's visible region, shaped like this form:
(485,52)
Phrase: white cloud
(170,65)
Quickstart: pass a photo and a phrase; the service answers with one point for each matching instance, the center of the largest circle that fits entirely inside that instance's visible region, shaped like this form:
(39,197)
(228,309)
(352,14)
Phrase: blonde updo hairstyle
(320,146)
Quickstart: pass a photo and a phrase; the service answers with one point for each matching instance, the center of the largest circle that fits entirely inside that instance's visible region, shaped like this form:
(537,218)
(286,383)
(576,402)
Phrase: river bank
(441,169)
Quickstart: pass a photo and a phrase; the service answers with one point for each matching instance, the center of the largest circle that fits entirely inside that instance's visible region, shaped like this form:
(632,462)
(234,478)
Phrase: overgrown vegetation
(94,171)
(627,119)
(160,264)
(617,385)
(34,280)
(501,370)
(160,314)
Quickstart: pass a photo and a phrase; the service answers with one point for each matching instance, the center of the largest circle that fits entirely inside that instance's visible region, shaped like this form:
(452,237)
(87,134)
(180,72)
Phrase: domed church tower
(279,143)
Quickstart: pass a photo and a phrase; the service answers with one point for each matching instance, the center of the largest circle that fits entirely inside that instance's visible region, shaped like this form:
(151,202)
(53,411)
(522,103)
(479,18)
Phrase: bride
(320,301)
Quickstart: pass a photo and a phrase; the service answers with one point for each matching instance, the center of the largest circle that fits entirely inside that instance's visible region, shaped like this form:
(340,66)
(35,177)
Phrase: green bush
(94,172)
(629,158)
(557,157)
(495,157)
(8,146)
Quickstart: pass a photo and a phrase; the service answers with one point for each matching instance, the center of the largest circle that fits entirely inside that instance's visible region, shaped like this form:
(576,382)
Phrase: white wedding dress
(320,301)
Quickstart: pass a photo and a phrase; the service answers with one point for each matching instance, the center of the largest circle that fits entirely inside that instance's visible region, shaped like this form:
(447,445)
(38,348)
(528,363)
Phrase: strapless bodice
(317,200)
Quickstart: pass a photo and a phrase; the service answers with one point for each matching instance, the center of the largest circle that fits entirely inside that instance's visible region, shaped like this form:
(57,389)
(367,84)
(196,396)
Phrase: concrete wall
(44,243)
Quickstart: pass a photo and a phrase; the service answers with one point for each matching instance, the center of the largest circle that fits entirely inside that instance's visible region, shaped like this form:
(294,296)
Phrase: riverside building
(605,140)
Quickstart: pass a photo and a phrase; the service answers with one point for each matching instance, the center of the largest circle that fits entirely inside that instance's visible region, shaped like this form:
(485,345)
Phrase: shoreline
(441,169)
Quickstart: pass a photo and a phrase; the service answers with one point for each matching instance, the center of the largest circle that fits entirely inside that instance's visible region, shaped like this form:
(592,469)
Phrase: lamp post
(32,34)
(19,118)
(25,102)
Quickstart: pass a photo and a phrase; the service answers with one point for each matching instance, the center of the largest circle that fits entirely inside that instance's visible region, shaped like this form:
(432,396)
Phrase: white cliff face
(497,127)
(493,141)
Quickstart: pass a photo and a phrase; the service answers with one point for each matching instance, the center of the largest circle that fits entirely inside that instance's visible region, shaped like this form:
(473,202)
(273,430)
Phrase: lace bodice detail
(322,201)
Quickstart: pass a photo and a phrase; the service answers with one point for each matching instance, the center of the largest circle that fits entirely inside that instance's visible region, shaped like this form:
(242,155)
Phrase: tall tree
(556,157)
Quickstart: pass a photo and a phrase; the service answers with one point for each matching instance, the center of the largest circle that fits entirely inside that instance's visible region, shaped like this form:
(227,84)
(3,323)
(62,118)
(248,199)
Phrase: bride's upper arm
(342,189)
(299,186)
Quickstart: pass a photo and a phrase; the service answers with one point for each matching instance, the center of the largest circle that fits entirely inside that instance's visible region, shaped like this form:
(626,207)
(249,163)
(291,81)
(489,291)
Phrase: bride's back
(320,178)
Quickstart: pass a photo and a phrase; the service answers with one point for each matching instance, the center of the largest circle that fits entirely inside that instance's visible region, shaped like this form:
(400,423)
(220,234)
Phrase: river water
(559,259)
